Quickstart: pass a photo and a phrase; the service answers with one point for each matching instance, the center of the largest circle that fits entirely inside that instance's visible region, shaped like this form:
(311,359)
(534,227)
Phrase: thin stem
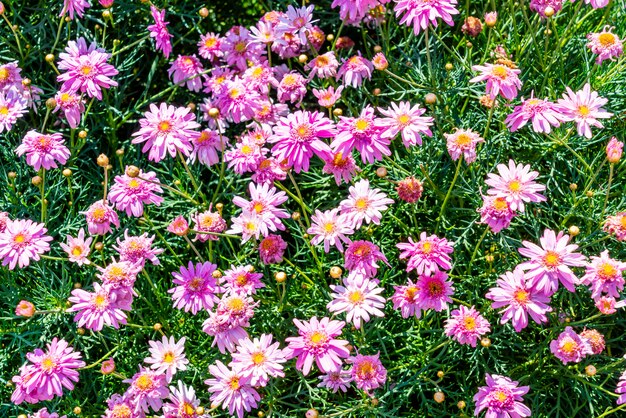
(17,38)
(171,189)
(191,176)
(193,247)
(493,107)
(307,278)
(43,195)
(56,40)
(106,183)
(431,73)
(608,190)
(222,165)
(480,241)
(127,47)
(45,120)
(445,201)
(101,360)
(300,200)
(217,234)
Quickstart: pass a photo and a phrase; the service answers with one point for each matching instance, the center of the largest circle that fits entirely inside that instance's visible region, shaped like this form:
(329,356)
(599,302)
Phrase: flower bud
(51,103)
(590,370)
(614,150)
(381,172)
(280,276)
(336,272)
(485,342)
(376,91)
(302,59)
(216,274)
(25,309)
(102,160)
(337,111)
(214,112)
(77,410)
(430,98)
(461,405)
(26,82)
(157,326)
(36,180)
(330,37)
(573,187)
(311,413)
(439,397)
(380,62)
(449,66)
(99,246)
(490,19)
(82,134)
(49,58)
(204,12)
(107,367)
(119,152)
(548,11)
(2,9)
(132,171)
(573,230)
(67,172)
(200,410)
(440,374)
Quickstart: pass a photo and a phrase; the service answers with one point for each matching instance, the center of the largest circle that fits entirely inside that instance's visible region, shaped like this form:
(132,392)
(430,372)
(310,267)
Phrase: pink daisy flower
(98,308)
(328,97)
(72,7)
(496,212)
(550,263)
(209,46)
(542,113)
(606,45)
(268,171)
(206,147)
(147,390)
(316,342)
(237,102)
(120,406)
(264,202)
(616,225)
(247,225)
(10,75)
(78,248)
(570,347)
(187,70)
(259,359)
(25,308)
(129,194)
(43,150)
(355,70)
(406,120)
(179,226)
(406,298)
(362,134)
(595,339)
(292,88)
(211,222)
(22,241)
(137,249)
(421,13)
(245,156)
(11,109)
(367,372)
(607,305)
(99,218)
(335,381)
(159,31)
(466,325)
(409,189)
(516,184)
(242,280)
(434,291)
(342,167)
(238,50)
(353,10)
(583,107)
(298,21)
(119,274)
(519,299)
(166,129)
(196,287)
(73,106)
(4,218)
(362,257)
(359,297)
(167,355)
(226,335)
(428,255)
(379,61)
(232,389)
(323,66)
(183,402)
(500,78)
(614,150)
(463,142)
(502,398)
(364,204)
(43,413)
(271,249)
(621,389)
(604,275)
(330,227)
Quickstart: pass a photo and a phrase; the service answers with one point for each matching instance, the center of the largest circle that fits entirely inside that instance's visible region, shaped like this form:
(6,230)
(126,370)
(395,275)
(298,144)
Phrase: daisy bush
(326,208)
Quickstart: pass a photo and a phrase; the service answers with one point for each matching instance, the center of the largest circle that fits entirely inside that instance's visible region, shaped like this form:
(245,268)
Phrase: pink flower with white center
(167,355)
(210,223)
(516,184)
(570,347)
(196,287)
(359,297)
(342,167)
(496,212)
(209,46)
(137,249)
(604,275)
(421,13)
(248,225)
(264,202)
(463,142)
(614,150)
(99,218)
(268,171)
(22,241)
(129,194)
(500,78)
(238,50)
(76,7)
(355,70)
(434,291)
(606,45)
(328,97)
(353,10)
(227,335)
(292,88)
(187,70)
(73,106)
(519,299)
(316,342)
(362,134)
(542,113)
(583,107)
(11,109)
(297,21)
(367,372)
(77,248)
(87,69)
(183,402)
(595,339)
(428,255)
(232,389)
(405,299)
(616,225)
(147,390)
(259,359)
(159,31)
(119,274)
(502,398)
(466,325)
(48,373)
(43,150)
(550,263)
(166,129)
(242,280)
(364,204)
(362,257)
(336,380)
(298,137)
(271,249)
(98,308)
(407,120)
(323,66)
(330,227)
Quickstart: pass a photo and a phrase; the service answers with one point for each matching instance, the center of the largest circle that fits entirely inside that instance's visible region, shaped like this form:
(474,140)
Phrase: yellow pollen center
(470,323)
(121,411)
(521,296)
(365,369)
(258,207)
(246,150)
(606,271)
(195,283)
(116,271)
(404,119)
(242,279)
(500,395)
(499,71)
(99,301)
(204,136)
(47,364)
(206,222)
(463,140)
(317,338)
(329,227)
(533,102)
(188,408)
(65,97)
(583,110)
(338,160)
(4,74)
(240,47)
(133,184)
(98,214)
(210,42)
(361,203)
(234,93)
(321,61)
(251,226)
(569,346)
(86,70)
(500,204)
(188,61)
(427,247)
(144,382)
(234,383)
(606,39)
(169,357)
(19,238)
(165,126)
(356,297)
(411,292)
(4,110)
(515,186)
(236,304)
(289,80)
(76,251)
(551,259)
(622,221)
(361,124)
(258,358)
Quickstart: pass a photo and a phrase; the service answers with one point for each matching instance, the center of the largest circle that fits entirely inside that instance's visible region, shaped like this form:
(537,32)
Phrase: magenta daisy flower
(542,113)
(323,66)
(226,335)
(211,222)
(343,168)
(367,372)
(405,299)
(614,150)
(74,7)
(232,389)
(237,101)
(129,194)
(428,255)
(583,107)
(238,49)
(99,218)
(11,109)
(242,280)
(496,212)
(73,106)
(119,274)
(502,398)
(259,359)
(519,299)
(271,249)
(362,257)
(463,142)
(421,13)
(187,70)
(336,381)
(606,45)
(10,76)
(120,406)
(359,297)
(406,120)
(159,31)
(500,78)
(166,129)
(292,88)
(354,10)
(550,263)
(364,204)
(43,150)
(355,70)
(331,228)
(570,347)
(328,97)
(434,291)
(516,184)
(362,134)
(298,21)
(98,308)
(167,355)
(22,241)
(196,287)
(206,147)
(147,390)
(209,46)
(604,275)
(317,342)
(137,249)
(466,325)
(183,402)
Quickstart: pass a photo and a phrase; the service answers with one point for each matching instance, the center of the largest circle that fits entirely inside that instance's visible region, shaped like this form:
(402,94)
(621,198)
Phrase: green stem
(43,195)
(300,272)
(191,176)
(222,165)
(493,108)
(127,47)
(193,247)
(300,200)
(101,360)
(480,241)
(445,201)
(608,191)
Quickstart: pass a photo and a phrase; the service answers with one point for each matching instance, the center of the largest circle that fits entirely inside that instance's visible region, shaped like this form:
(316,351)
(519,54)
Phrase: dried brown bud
(51,103)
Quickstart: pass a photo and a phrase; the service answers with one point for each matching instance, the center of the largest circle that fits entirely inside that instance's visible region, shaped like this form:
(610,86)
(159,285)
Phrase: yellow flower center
(19,238)
(116,271)
(338,160)
(606,271)
(470,323)
(515,186)
(99,301)
(236,304)
(47,364)
(583,110)
(210,42)
(361,203)
(463,140)
(240,47)
(4,74)
(165,126)
(521,296)
(98,214)
(169,357)
(365,369)
(251,226)
(65,97)
(246,150)
(329,227)
(500,204)
(234,383)
(356,297)
(500,395)
(122,411)
(411,292)
(622,221)
(258,358)
(195,283)
(144,382)
(204,136)
(206,222)
(188,408)
(86,70)
(321,61)
(551,259)
(317,338)
(4,110)
(289,80)
(427,247)
(242,279)
(362,250)
(234,93)
(361,124)
(569,346)
(258,207)
(133,184)
(606,39)
(404,119)
(499,71)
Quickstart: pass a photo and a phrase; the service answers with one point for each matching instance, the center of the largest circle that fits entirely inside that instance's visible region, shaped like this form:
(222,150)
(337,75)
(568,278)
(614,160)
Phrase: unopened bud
(430,98)
(214,112)
(36,180)
(132,171)
(51,103)
(439,397)
(280,276)
(573,230)
(49,58)
(82,134)
(102,160)
(338,112)
(157,326)
(204,12)
(381,172)
(99,246)
(302,59)
(335,272)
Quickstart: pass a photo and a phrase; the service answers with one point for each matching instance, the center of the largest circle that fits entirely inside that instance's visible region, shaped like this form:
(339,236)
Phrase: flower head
(606,45)
(242,280)
(359,297)
(406,299)
(496,212)
(570,347)
(421,13)
(466,325)
(355,70)
(583,107)
(434,291)
(167,356)
(407,120)
(101,307)
(342,167)
(331,228)
(364,204)
(259,359)
(131,193)
(99,218)
(271,249)
(137,250)
(196,287)
(367,372)
(614,150)
(363,134)
(501,79)
(362,257)
(43,150)
(208,221)
(159,31)
(542,113)
(187,70)
(74,7)
(428,255)
(78,248)
(232,389)
(502,398)
(604,274)
(463,142)
(516,184)
(147,390)
(22,241)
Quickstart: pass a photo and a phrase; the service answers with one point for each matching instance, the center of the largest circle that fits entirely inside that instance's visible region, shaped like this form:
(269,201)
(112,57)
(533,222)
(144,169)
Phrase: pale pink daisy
(606,45)
(196,287)
(25,308)
(98,308)
(367,372)
(362,257)
(242,280)
(434,291)
(22,241)
(99,218)
(119,406)
(147,390)
(238,49)
(292,88)
(74,7)
(137,249)
(362,134)
(119,274)
(208,222)
(130,194)
(73,106)
(248,225)
(428,255)
(183,403)
(466,325)
(330,227)
(77,248)
(245,156)
(10,76)
(43,151)
(359,297)
(271,249)
(237,102)
(516,184)
(342,167)
(323,66)
(584,108)
(502,398)
(232,389)
(226,335)
(11,109)
(570,347)
(298,21)
(422,13)
(4,218)
(519,299)
(543,114)
(263,203)
(269,171)
(364,204)
(167,355)
(407,120)
(496,212)
(179,226)
(463,142)
(316,342)
(209,46)
(604,274)
(206,147)
(187,70)
(328,97)
(550,263)
(405,299)
(159,31)
(336,380)
(501,79)
(353,10)
(355,70)
(259,359)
